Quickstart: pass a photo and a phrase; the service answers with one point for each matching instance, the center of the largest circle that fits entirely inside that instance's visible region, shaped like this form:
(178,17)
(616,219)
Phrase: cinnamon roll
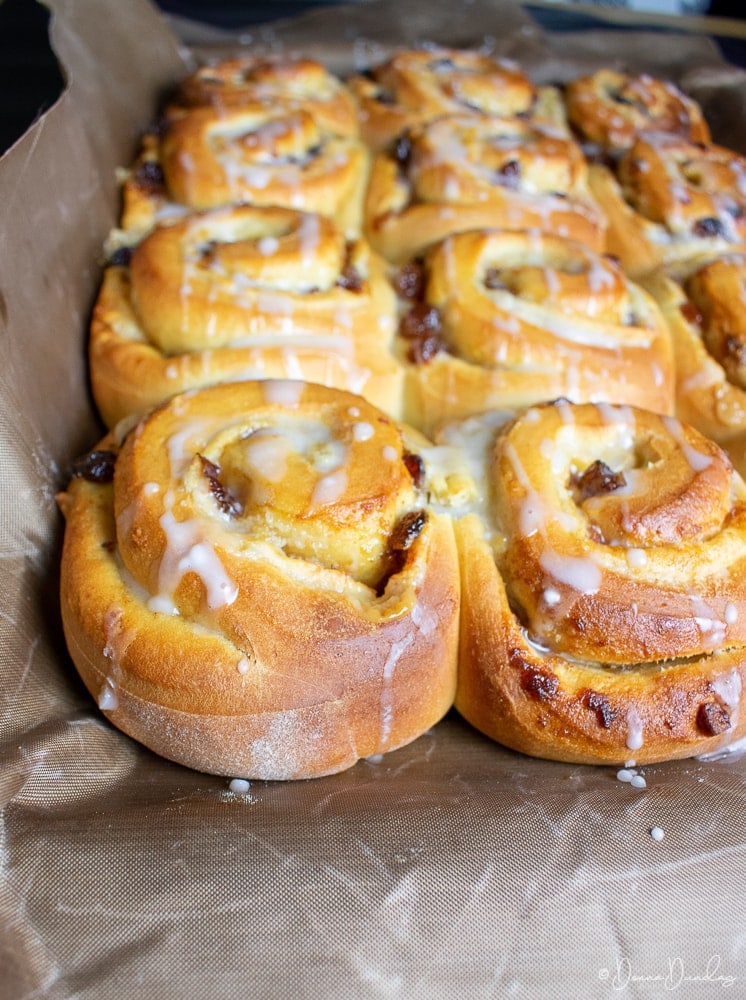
(704,303)
(609,109)
(669,200)
(254,584)
(242,292)
(604,588)
(511,318)
(418,85)
(465,172)
(258,154)
(295,82)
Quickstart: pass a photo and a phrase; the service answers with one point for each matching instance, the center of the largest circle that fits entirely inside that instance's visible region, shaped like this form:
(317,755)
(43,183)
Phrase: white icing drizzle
(108,699)
(634,730)
(188,550)
(696,459)
(267,453)
(268,245)
(425,618)
(362,431)
(387,711)
(712,629)
(283,392)
(330,487)
(736,748)
(636,557)
(728,689)
(578,572)
(551,597)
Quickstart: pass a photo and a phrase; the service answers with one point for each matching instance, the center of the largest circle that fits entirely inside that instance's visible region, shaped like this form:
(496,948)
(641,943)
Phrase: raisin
(691,314)
(121,257)
(208,251)
(409,281)
(407,530)
(403,151)
(160,127)
(402,538)
(149,176)
(492,279)
(509,174)
(385,98)
(95,467)
(415,467)
(597,478)
(708,226)
(421,326)
(420,320)
(225,500)
(350,279)
(600,706)
(442,65)
(734,349)
(424,350)
(540,684)
(712,718)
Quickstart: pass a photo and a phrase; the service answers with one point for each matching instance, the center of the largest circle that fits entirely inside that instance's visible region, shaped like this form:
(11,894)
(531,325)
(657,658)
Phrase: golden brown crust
(251,530)
(703,303)
(296,82)
(415,86)
(603,598)
(668,200)
(257,154)
(525,317)
(610,109)
(464,172)
(276,595)
(243,292)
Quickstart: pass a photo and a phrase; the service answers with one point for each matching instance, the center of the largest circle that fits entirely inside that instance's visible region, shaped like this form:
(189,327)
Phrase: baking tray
(451,867)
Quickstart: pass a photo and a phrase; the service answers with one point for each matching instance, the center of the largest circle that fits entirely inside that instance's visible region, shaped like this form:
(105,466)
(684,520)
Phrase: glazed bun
(603,593)
(516,317)
(668,200)
(704,304)
(242,292)
(256,153)
(426,387)
(609,109)
(470,171)
(254,582)
(415,86)
(297,83)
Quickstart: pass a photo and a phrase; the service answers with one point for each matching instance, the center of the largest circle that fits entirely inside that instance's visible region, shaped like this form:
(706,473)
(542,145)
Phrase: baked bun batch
(423,389)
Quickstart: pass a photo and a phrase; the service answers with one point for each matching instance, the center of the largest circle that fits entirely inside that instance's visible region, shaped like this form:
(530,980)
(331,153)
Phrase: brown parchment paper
(449,868)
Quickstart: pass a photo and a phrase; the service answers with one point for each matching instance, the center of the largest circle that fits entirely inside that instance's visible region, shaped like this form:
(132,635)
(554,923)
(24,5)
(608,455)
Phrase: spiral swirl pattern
(610,109)
(417,86)
(264,573)
(243,292)
(604,596)
(468,171)
(524,317)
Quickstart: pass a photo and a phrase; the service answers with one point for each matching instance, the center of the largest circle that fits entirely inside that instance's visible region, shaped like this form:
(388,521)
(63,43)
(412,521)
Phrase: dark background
(30,79)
